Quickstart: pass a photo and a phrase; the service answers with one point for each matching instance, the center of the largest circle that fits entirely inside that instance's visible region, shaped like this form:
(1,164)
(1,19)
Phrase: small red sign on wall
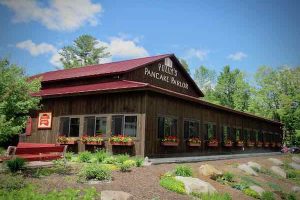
(45,120)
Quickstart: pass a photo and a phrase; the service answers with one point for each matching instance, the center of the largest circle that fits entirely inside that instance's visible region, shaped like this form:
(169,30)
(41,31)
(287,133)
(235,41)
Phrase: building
(148,99)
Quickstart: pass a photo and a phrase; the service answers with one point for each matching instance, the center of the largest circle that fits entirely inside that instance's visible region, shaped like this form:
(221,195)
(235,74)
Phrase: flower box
(239,144)
(122,143)
(94,143)
(68,142)
(65,140)
(191,144)
(170,144)
(266,145)
(213,143)
(227,143)
(250,144)
(194,142)
(259,144)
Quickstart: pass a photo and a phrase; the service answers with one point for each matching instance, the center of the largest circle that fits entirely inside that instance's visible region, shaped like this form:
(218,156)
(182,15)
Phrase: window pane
(160,127)
(167,126)
(101,125)
(74,127)
(89,126)
(130,126)
(64,126)
(186,129)
(194,129)
(225,133)
(117,124)
(210,131)
(174,127)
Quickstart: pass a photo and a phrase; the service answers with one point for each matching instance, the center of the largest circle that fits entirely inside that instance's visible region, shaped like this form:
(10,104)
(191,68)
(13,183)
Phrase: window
(191,129)
(255,136)
(167,126)
(210,131)
(94,125)
(69,126)
(260,136)
(124,125)
(168,62)
(225,133)
(246,135)
(238,134)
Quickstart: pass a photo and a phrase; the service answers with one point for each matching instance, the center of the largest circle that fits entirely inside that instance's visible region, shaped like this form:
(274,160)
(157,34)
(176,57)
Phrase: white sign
(166,74)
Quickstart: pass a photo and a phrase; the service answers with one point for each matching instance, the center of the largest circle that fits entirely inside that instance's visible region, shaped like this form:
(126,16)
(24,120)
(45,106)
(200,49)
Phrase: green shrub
(267,195)
(122,158)
(110,160)
(69,156)
(183,170)
(170,183)
(240,186)
(251,193)
(226,178)
(213,196)
(290,196)
(249,181)
(125,167)
(15,165)
(9,183)
(2,151)
(95,172)
(101,155)
(139,162)
(85,156)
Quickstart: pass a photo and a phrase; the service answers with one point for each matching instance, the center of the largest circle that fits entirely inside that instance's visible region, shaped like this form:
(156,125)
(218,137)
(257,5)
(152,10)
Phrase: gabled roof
(98,70)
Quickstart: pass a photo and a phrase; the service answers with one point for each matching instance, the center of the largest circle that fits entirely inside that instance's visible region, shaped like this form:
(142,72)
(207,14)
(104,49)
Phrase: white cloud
(55,59)
(237,56)
(36,49)
(122,48)
(197,53)
(62,15)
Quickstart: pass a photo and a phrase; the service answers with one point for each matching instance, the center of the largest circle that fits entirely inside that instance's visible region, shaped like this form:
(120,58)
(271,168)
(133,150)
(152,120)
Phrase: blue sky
(242,34)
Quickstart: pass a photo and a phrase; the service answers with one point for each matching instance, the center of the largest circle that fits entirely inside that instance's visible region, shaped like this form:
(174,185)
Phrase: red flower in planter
(170,138)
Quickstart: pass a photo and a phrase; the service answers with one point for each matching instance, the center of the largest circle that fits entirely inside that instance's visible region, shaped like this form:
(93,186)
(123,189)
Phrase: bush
(2,151)
(125,167)
(139,162)
(85,156)
(110,160)
(170,183)
(240,186)
(101,156)
(183,170)
(15,165)
(291,196)
(122,158)
(251,193)
(213,196)
(226,178)
(267,195)
(95,172)
(69,156)
(9,183)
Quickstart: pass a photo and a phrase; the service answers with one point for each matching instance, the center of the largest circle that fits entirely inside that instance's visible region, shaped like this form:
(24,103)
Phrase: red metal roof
(96,87)
(100,69)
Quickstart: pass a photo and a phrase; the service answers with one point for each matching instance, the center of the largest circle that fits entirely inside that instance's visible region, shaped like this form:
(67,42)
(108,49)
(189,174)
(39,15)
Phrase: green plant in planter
(183,170)
(15,165)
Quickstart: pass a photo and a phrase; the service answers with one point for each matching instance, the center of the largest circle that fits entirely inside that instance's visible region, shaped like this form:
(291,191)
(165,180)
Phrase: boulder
(275,161)
(115,195)
(296,189)
(246,168)
(209,170)
(296,159)
(294,165)
(257,189)
(254,165)
(278,171)
(195,185)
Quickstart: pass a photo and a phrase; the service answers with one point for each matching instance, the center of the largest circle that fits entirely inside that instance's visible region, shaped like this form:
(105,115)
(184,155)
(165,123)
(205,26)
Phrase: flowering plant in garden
(213,141)
(228,142)
(194,140)
(170,138)
(86,139)
(121,139)
(240,142)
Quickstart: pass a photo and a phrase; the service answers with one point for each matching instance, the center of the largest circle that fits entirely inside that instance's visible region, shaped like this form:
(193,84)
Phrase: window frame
(123,124)
(241,137)
(229,133)
(70,117)
(215,136)
(189,120)
(164,116)
(96,116)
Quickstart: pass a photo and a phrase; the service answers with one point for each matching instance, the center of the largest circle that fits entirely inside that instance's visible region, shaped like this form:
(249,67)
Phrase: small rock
(278,171)
(247,169)
(209,170)
(115,195)
(257,189)
(275,161)
(294,165)
(296,159)
(196,185)
(146,162)
(296,189)
(254,165)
